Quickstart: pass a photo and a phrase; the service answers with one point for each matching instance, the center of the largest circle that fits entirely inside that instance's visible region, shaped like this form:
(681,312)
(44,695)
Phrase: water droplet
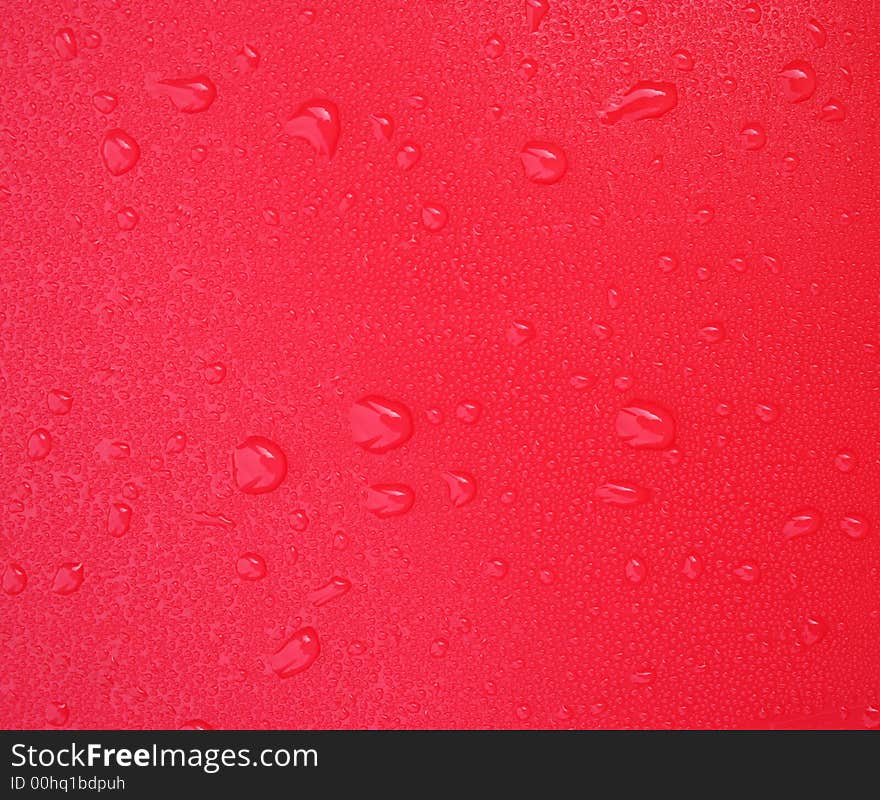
(536,10)
(195,725)
(119,151)
(214,373)
(247,59)
(434,217)
(667,262)
(258,465)
(65,44)
(462,487)
(683,60)
(645,100)
(845,462)
(176,444)
(520,332)
(798,81)
(543,162)
(752,12)
(14,579)
(408,156)
(468,412)
(766,412)
(752,136)
(855,527)
(804,522)
(832,111)
(389,499)
(68,578)
(497,568)
(636,571)
(59,402)
(316,122)
(692,567)
(189,95)
(712,334)
(127,218)
(383,127)
(439,648)
(298,653)
(39,444)
(105,102)
(250,567)
(330,591)
(494,47)
(119,519)
(871,717)
(622,494)
(379,424)
(645,425)
(57,714)
(299,520)
(816,32)
(813,631)
(747,573)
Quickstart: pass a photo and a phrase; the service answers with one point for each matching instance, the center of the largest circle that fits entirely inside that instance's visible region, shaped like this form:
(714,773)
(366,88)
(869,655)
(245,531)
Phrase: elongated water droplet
(298,653)
(645,100)
(65,44)
(622,494)
(333,589)
(536,10)
(119,519)
(190,95)
(39,444)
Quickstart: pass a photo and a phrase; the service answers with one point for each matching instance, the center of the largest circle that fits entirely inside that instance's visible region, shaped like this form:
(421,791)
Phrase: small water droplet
(176,444)
(692,567)
(59,402)
(118,519)
(39,444)
(622,494)
(636,571)
(752,136)
(251,567)
(816,32)
(747,573)
(408,156)
(434,217)
(57,714)
(813,631)
(14,579)
(520,332)
(105,102)
(383,127)
(833,111)
(65,44)
(468,412)
(494,46)
(855,527)
(439,648)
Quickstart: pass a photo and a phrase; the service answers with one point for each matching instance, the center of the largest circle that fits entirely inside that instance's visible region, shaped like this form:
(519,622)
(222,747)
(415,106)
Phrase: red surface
(604,277)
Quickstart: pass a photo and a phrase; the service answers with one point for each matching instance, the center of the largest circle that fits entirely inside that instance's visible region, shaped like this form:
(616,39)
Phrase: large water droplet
(190,95)
(258,465)
(65,44)
(298,653)
(389,499)
(804,522)
(543,162)
(536,10)
(68,578)
(645,425)
(119,151)
(855,527)
(462,487)
(316,122)
(645,100)
(379,424)
(798,81)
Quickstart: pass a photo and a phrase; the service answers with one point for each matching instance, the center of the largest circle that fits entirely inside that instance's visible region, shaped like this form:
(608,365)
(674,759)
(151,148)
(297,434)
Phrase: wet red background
(605,274)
